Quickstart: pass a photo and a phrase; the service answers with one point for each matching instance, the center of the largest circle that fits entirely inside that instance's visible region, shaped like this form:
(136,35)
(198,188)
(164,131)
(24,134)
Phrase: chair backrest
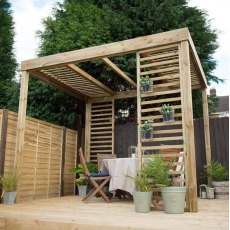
(83,163)
(101,157)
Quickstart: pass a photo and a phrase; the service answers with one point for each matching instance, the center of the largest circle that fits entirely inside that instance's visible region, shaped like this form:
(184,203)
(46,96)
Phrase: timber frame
(171,61)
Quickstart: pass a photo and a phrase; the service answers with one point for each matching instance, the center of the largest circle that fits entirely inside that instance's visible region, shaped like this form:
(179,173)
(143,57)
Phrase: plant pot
(168,118)
(146,88)
(173,199)
(210,193)
(221,189)
(9,197)
(146,134)
(142,201)
(82,190)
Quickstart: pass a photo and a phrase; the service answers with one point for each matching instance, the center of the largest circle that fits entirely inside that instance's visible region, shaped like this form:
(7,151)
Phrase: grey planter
(82,190)
(174,199)
(169,118)
(221,189)
(146,88)
(142,201)
(209,193)
(146,134)
(9,197)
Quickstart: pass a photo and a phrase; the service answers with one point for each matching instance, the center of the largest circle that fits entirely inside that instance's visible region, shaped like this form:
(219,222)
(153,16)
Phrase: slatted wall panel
(70,160)
(162,66)
(101,129)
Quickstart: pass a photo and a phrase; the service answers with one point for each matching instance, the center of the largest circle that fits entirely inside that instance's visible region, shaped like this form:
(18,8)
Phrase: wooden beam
(21,127)
(119,72)
(63,153)
(107,50)
(87,76)
(87,130)
(3,136)
(118,95)
(188,128)
(139,143)
(206,128)
(197,61)
(58,85)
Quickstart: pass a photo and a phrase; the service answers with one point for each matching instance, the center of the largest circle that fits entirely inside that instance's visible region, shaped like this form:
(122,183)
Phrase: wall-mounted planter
(168,118)
(146,134)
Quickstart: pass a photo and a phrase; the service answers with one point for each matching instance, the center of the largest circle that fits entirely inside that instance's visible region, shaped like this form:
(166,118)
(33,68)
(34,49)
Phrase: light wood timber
(139,143)
(188,129)
(21,127)
(119,72)
(57,84)
(87,76)
(108,50)
(206,128)
(87,130)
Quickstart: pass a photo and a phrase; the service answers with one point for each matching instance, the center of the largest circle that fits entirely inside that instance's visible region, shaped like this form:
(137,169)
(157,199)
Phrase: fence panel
(43,170)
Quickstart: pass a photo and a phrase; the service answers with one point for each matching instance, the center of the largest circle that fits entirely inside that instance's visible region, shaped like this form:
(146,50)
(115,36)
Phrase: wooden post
(206,128)
(113,128)
(3,143)
(63,151)
(87,130)
(188,128)
(139,144)
(21,127)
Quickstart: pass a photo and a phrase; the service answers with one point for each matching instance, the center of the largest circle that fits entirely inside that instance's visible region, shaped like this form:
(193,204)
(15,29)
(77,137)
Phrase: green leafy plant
(146,126)
(158,170)
(8,182)
(79,169)
(80,181)
(216,171)
(145,80)
(141,181)
(166,110)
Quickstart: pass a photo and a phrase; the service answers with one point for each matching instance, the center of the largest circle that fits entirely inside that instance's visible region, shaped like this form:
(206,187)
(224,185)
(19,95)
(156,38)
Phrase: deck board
(70,213)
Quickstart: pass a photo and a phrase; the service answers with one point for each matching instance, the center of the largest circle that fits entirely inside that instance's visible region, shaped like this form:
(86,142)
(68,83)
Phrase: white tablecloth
(117,169)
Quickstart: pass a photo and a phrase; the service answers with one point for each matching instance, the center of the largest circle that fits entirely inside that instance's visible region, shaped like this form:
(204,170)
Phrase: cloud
(28,15)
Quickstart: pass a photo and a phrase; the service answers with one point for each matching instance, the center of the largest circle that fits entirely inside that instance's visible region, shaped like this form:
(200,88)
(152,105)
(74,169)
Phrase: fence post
(62,189)
(3,143)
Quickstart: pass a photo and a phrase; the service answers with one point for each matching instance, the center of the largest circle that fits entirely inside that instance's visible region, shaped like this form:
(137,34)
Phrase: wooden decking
(69,213)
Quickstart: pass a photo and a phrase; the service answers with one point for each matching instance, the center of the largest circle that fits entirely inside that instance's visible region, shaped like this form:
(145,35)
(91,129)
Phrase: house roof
(223,105)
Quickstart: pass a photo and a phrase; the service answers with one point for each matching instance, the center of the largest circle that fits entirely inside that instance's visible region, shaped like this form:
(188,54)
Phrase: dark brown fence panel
(126,135)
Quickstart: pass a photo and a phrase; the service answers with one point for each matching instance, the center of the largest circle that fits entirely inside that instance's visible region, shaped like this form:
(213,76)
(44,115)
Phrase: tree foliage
(8,63)
(84,23)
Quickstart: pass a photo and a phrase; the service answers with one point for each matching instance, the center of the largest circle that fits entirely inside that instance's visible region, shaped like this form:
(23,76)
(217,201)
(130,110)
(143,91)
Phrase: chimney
(212,92)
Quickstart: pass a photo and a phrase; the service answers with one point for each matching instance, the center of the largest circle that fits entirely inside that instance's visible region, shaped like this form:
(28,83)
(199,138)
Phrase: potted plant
(173,194)
(219,176)
(146,84)
(82,186)
(9,184)
(168,113)
(143,194)
(210,191)
(146,130)
(80,171)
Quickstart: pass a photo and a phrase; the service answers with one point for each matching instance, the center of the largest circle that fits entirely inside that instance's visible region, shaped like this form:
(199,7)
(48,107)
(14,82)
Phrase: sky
(28,15)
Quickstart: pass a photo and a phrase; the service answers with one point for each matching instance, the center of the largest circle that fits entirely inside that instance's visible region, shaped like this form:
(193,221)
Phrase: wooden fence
(126,135)
(50,152)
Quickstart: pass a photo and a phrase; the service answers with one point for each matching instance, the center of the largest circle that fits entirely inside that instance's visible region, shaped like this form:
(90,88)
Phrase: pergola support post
(139,145)
(206,128)
(21,127)
(87,130)
(188,127)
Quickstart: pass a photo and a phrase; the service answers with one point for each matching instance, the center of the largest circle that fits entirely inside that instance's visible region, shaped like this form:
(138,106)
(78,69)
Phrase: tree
(8,63)
(84,23)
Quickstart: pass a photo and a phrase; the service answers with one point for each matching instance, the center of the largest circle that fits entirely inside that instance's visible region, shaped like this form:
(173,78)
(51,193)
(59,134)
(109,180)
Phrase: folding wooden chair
(97,180)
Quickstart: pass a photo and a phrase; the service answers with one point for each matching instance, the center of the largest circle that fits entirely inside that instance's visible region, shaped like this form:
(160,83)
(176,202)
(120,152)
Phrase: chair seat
(100,174)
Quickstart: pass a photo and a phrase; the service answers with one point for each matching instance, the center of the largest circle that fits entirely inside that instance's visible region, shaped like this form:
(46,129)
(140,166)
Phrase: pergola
(171,61)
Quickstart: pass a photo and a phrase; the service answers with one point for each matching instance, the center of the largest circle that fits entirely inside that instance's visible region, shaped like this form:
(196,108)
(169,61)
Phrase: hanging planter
(146,130)
(167,112)
(146,84)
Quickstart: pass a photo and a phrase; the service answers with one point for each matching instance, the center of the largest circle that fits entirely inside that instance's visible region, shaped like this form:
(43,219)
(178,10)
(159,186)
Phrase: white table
(117,168)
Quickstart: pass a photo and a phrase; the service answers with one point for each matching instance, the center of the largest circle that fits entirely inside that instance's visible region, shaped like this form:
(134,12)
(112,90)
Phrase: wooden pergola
(171,61)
